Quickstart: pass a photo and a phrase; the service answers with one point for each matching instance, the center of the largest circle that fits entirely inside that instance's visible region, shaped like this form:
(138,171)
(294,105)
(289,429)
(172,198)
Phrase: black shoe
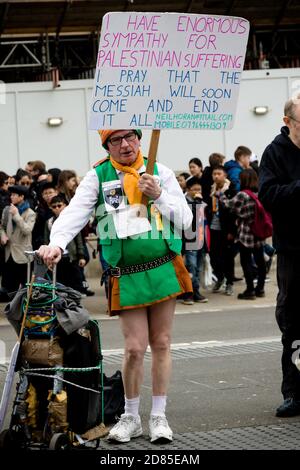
(247,295)
(290,407)
(260,293)
(181,296)
(188,300)
(237,279)
(199,298)
(86,292)
(89,292)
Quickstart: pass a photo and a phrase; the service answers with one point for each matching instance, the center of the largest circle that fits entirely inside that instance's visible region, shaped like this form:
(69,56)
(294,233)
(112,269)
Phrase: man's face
(48,194)
(124,151)
(194,191)
(245,161)
(57,208)
(293,123)
(219,177)
(16,199)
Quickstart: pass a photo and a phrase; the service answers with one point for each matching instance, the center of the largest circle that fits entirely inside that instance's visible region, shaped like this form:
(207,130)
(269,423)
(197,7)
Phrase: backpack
(262,226)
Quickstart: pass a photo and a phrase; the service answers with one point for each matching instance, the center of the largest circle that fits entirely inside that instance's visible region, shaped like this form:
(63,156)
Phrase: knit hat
(106,133)
(18,189)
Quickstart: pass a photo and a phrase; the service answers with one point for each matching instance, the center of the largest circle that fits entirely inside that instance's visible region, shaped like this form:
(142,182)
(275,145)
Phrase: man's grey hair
(290,105)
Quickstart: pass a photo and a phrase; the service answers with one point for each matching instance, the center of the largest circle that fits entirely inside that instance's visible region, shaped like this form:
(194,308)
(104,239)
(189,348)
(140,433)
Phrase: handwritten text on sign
(168,71)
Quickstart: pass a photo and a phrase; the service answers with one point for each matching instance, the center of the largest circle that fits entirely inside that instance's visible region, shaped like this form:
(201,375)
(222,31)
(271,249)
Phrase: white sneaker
(229,289)
(159,429)
(127,427)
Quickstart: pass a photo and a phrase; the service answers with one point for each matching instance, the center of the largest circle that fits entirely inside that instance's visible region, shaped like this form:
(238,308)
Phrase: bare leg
(160,326)
(134,325)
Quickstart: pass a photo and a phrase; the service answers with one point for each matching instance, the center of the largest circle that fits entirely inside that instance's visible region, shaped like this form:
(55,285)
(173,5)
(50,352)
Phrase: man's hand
(82,262)
(4,238)
(13,209)
(149,186)
(50,254)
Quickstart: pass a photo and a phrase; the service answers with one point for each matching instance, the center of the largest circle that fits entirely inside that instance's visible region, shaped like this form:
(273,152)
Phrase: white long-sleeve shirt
(171,204)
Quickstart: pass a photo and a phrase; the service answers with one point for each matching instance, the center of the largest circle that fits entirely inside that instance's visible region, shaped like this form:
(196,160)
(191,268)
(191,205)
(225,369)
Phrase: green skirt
(147,287)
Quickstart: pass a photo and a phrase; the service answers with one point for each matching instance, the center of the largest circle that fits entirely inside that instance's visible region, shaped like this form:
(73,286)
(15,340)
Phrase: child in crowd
(243,206)
(182,181)
(43,212)
(67,184)
(194,239)
(68,272)
(222,232)
(16,234)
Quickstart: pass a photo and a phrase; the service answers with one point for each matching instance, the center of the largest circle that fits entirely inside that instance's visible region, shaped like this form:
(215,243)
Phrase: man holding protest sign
(152,72)
(147,271)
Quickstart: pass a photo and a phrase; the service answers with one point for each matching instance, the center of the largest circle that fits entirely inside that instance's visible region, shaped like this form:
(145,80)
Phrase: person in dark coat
(53,175)
(215,159)
(4,194)
(222,232)
(4,201)
(44,212)
(279,191)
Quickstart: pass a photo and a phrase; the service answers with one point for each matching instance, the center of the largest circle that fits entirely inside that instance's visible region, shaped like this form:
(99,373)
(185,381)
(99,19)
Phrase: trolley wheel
(59,441)
(6,439)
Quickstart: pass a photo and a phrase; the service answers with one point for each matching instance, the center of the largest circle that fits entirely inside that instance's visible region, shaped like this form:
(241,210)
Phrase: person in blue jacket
(234,167)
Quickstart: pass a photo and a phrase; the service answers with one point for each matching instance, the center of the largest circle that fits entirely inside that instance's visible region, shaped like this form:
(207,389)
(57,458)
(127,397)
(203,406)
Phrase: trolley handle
(32,255)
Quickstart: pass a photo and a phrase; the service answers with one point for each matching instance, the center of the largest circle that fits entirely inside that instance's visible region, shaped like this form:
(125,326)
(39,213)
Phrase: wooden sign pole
(151,158)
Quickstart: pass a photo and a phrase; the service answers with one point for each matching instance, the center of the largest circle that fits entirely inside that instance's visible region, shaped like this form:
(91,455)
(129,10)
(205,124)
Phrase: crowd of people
(30,202)
(215,210)
(33,198)
(222,199)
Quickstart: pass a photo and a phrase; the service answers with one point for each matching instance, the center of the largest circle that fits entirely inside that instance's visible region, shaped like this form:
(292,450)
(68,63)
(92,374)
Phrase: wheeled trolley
(60,393)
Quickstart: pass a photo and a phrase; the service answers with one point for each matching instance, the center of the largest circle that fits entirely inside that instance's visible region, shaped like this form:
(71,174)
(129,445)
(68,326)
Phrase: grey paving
(226,374)
(285,437)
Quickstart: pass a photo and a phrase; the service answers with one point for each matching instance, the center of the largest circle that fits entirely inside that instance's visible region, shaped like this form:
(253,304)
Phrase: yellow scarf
(131,178)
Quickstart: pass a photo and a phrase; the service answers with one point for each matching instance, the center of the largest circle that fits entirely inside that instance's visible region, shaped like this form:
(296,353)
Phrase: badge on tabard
(113,195)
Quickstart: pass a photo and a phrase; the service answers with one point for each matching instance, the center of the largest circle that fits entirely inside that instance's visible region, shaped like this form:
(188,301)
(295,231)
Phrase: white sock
(132,406)
(159,405)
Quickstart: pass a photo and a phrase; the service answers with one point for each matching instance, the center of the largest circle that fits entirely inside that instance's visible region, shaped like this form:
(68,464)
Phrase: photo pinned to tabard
(113,195)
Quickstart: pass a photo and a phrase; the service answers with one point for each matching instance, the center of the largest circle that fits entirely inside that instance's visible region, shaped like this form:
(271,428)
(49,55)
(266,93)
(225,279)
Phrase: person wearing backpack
(244,206)
(279,191)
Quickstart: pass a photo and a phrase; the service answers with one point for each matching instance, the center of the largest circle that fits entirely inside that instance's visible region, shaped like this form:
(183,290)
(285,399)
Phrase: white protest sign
(168,71)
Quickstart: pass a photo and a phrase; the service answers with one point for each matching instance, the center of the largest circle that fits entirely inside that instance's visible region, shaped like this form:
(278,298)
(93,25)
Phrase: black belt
(137,268)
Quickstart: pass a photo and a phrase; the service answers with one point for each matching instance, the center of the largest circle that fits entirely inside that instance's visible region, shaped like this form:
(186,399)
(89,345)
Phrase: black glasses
(293,119)
(54,206)
(130,137)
